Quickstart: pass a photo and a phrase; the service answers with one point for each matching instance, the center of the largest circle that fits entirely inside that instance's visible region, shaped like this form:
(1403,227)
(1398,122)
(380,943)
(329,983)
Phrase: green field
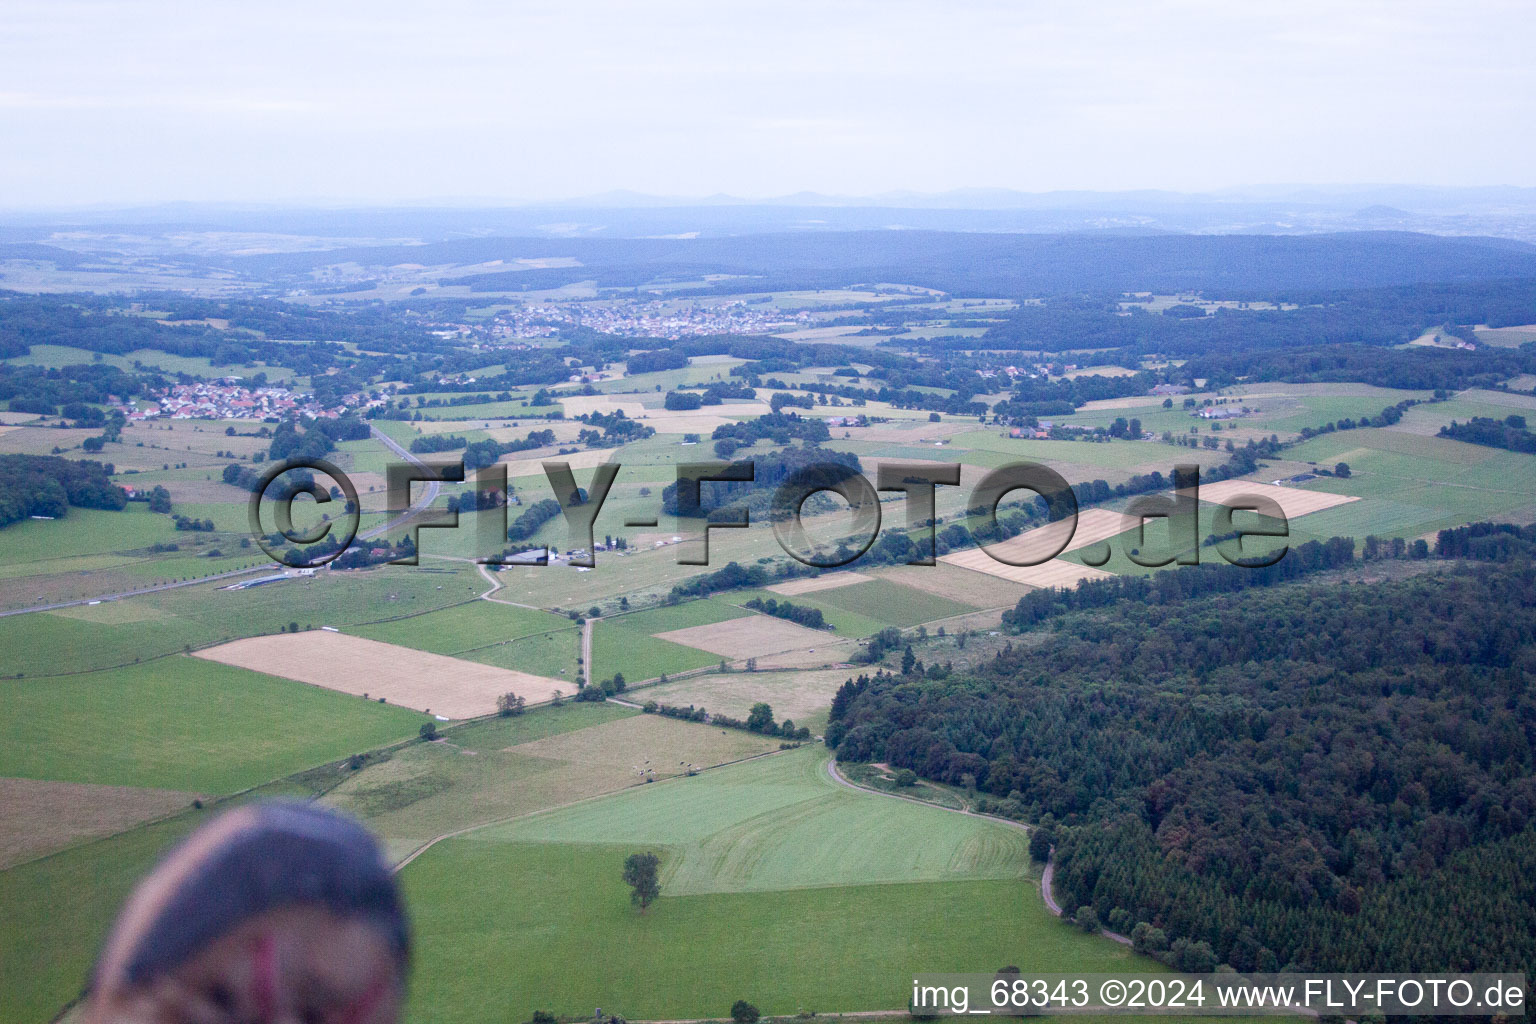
(183,723)
(1414,485)
(464,627)
(544,654)
(624,643)
(843,622)
(640,656)
(768,894)
(86,531)
(781,823)
(890,603)
(137,629)
(1107,454)
(476,775)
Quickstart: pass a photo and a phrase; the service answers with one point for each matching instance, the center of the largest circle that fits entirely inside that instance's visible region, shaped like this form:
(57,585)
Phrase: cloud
(163,100)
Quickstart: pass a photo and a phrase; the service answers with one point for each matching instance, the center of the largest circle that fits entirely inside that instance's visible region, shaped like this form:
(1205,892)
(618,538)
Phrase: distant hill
(962,263)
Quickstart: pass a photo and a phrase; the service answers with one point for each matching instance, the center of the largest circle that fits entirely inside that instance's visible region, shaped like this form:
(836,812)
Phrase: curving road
(1045,876)
(428,496)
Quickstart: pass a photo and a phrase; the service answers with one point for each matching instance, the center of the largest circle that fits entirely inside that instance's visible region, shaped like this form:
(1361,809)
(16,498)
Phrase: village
(629,319)
(225,399)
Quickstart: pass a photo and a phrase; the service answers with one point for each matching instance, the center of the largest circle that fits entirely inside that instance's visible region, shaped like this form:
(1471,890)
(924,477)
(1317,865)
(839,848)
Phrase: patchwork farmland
(386,672)
(140,692)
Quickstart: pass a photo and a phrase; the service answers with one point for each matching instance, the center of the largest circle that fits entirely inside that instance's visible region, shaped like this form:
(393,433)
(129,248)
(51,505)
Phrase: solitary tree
(743,1012)
(760,719)
(640,876)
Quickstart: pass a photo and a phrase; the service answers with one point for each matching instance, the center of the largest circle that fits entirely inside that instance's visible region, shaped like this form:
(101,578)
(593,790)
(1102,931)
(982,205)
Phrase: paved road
(427,498)
(142,590)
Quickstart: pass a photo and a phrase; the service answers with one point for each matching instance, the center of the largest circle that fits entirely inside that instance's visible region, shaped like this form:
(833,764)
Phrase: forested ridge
(963,263)
(1328,776)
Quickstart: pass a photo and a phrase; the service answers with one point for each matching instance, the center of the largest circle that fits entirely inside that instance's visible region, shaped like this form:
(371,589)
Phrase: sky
(382,102)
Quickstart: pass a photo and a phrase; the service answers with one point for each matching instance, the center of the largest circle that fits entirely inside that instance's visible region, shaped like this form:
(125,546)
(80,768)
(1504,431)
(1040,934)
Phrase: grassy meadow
(183,723)
(770,892)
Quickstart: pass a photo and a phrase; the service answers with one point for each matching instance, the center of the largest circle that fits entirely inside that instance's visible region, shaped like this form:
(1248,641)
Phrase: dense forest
(46,485)
(1337,777)
(45,391)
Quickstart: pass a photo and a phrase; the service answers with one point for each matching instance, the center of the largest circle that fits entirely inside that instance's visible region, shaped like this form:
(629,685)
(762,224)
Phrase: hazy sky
(361,102)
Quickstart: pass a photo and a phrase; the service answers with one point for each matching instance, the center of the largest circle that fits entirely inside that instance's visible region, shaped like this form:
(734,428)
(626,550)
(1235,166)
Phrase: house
(1217,413)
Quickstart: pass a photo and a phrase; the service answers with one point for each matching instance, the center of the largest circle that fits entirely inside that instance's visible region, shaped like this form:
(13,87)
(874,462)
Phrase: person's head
(271,913)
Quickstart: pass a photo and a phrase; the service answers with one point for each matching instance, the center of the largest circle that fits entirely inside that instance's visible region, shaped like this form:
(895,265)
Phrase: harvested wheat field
(955,583)
(687,423)
(1129,402)
(38,817)
(576,460)
(826,581)
(409,678)
(1498,398)
(914,434)
(1058,572)
(793,695)
(580,405)
(1093,526)
(1292,500)
(749,637)
(835,653)
(645,741)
